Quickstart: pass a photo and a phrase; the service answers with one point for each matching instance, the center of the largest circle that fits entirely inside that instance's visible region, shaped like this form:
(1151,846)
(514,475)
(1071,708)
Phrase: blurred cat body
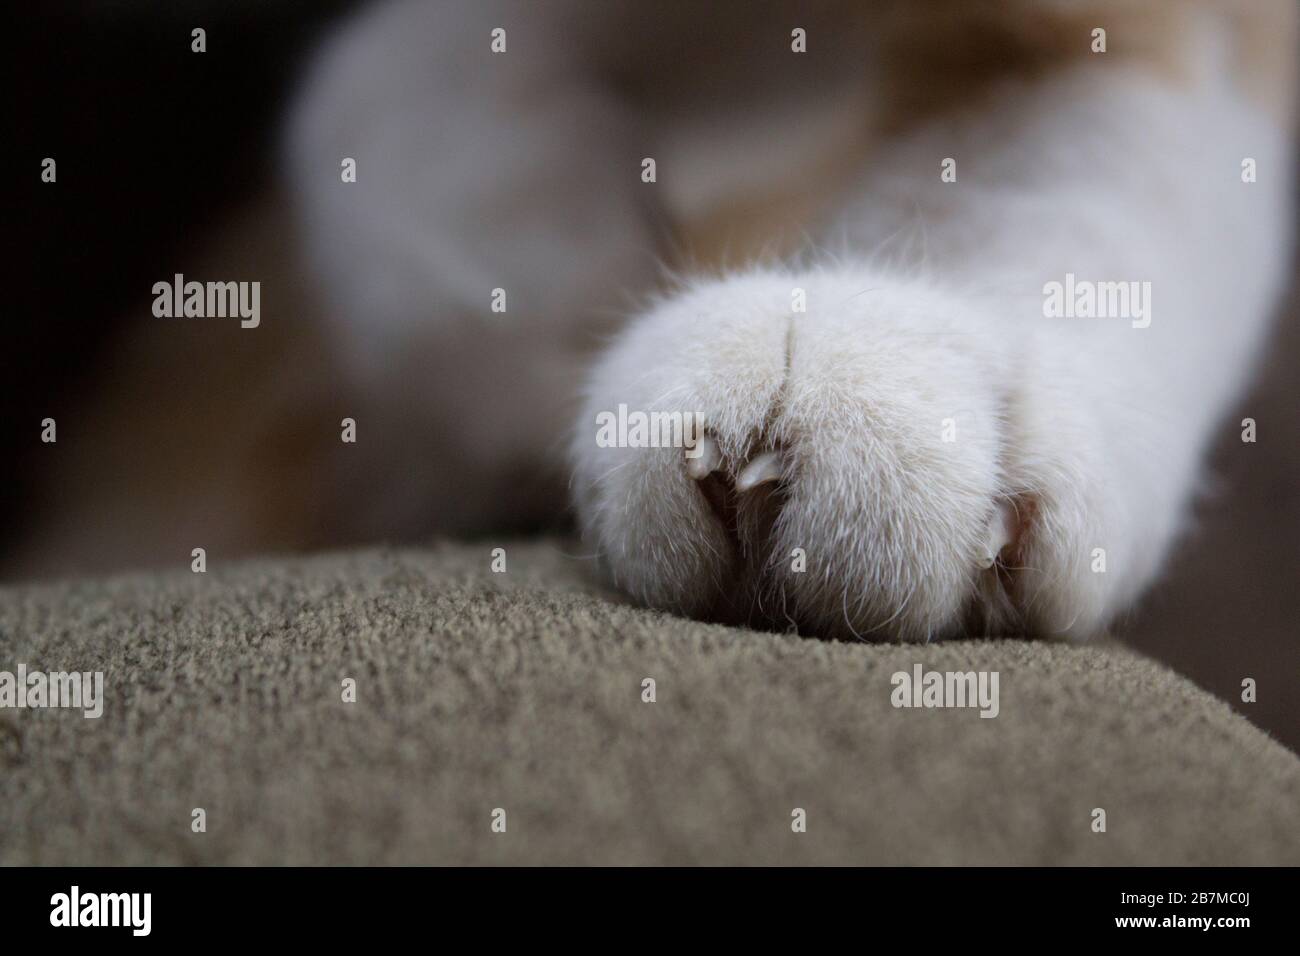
(863,208)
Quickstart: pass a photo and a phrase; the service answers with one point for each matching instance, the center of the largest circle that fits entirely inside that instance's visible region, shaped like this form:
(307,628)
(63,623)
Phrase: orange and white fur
(920,451)
(899,442)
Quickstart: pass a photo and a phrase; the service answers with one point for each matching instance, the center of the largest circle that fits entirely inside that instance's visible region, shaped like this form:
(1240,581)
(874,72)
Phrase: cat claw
(705,460)
(998,535)
(766,467)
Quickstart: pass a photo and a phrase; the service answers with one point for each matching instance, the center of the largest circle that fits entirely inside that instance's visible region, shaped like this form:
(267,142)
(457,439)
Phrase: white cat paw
(879,466)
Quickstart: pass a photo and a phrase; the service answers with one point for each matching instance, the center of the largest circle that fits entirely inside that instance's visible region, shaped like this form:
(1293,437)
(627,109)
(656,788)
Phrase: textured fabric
(523,691)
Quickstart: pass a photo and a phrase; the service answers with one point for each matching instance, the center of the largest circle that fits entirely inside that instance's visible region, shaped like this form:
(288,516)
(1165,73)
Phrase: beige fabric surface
(522,691)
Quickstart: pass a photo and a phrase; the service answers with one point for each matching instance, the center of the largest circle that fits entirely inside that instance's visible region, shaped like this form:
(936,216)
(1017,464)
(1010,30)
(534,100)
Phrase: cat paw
(880,464)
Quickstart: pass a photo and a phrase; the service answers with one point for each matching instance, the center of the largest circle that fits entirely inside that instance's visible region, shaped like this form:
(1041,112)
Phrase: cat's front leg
(942,402)
(885,462)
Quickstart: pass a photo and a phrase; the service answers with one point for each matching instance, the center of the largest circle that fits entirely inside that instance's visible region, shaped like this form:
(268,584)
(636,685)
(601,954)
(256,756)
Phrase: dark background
(155,145)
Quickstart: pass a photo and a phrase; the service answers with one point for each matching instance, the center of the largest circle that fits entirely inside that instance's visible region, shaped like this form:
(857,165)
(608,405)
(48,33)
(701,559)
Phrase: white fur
(938,313)
(924,304)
